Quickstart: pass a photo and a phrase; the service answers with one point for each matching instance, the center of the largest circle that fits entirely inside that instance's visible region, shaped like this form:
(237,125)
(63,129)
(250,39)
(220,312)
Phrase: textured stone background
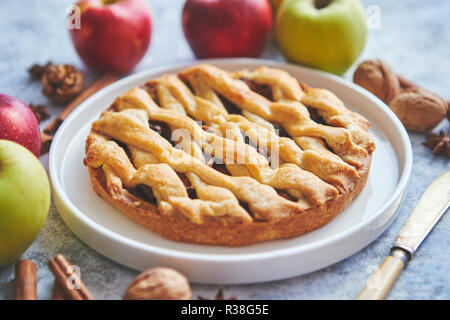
(414,38)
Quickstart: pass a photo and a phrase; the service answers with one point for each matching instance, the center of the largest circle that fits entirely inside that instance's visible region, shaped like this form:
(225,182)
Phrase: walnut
(448,110)
(419,109)
(61,83)
(36,71)
(378,78)
(159,283)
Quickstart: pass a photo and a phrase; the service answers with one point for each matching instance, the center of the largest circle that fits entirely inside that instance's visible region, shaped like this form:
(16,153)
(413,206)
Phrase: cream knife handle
(382,280)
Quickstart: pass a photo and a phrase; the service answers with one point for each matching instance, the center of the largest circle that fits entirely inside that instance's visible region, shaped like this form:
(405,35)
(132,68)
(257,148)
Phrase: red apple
(19,124)
(113,35)
(227,28)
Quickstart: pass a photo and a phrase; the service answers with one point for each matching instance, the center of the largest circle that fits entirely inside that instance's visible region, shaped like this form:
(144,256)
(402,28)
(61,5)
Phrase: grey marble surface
(414,38)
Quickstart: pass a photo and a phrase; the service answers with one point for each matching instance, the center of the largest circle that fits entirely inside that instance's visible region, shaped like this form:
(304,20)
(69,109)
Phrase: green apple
(24,199)
(323,34)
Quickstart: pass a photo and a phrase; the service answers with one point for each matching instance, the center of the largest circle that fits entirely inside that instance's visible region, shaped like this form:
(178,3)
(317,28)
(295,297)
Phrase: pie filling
(145,193)
(321,145)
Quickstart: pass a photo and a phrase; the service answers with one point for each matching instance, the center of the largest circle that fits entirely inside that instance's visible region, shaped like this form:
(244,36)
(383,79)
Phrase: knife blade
(430,208)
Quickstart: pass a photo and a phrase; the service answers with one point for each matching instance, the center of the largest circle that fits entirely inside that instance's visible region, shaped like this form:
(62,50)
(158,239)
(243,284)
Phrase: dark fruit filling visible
(162,129)
(314,115)
(262,89)
(145,193)
(152,91)
(230,106)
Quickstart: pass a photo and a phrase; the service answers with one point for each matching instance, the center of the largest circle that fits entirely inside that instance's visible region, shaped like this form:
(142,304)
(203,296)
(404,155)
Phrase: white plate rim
(259,256)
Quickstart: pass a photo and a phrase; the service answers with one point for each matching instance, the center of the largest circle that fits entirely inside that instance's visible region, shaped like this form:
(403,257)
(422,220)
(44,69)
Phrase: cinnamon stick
(93,88)
(67,280)
(46,141)
(58,293)
(25,280)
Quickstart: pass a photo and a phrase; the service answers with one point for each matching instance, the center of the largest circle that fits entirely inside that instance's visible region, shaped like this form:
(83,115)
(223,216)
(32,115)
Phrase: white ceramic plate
(112,234)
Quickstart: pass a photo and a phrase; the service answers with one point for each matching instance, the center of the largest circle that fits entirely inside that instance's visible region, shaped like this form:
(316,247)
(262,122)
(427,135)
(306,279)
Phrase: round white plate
(112,234)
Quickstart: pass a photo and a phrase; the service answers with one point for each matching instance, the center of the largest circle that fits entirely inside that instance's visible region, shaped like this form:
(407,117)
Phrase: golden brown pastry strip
(237,153)
(263,200)
(167,187)
(287,114)
(240,114)
(339,174)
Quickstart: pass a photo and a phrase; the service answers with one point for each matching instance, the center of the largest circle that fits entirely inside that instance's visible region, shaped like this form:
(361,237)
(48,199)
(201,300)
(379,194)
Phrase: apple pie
(214,157)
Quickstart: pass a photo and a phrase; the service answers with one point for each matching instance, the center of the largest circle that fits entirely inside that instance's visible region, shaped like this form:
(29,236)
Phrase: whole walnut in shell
(448,110)
(159,283)
(378,78)
(419,109)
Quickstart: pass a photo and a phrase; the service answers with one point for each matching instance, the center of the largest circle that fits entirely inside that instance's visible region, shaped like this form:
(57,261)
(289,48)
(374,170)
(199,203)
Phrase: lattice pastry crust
(229,158)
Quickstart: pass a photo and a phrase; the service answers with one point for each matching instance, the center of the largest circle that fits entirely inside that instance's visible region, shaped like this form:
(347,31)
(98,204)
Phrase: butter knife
(430,208)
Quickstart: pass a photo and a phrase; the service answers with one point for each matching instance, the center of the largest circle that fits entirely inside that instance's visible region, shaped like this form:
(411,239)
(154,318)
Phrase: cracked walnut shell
(419,109)
(159,283)
(61,83)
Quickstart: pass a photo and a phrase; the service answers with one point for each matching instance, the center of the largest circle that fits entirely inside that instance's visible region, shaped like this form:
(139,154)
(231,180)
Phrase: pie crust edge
(179,228)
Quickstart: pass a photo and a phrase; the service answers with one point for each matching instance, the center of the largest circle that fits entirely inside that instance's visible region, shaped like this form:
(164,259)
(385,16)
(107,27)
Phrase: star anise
(219,296)
(438,143)
(40,112)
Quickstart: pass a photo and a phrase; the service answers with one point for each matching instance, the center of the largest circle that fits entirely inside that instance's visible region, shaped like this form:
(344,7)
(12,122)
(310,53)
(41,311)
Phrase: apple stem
(320,4)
